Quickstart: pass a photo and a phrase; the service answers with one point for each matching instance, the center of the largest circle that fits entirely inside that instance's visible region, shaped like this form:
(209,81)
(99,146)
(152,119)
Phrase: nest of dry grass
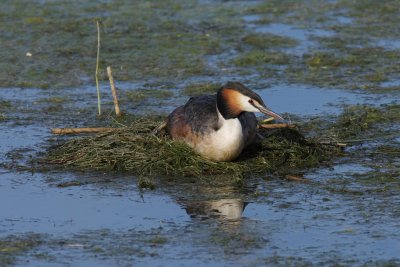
(137,150)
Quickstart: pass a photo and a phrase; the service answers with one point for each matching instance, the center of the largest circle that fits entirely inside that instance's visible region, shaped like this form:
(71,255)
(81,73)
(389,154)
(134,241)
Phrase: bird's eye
(251,101)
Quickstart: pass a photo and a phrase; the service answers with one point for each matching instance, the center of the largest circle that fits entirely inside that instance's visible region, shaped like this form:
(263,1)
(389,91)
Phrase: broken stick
(333,143)
(277,125)
(296,178)
(83,130)
(113,91)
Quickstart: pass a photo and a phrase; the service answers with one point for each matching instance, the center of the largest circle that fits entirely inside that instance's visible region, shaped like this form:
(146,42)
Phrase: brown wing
(197,117)
(177,126)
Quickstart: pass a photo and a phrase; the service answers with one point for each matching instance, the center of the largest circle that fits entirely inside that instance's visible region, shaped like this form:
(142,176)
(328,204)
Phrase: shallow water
(301,35)
(270,220)
(66,211)
(305,100)
(340,216)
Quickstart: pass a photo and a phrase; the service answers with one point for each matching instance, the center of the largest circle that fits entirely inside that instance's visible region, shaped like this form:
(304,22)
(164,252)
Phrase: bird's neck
(227,141)
(222,121)
(226,104)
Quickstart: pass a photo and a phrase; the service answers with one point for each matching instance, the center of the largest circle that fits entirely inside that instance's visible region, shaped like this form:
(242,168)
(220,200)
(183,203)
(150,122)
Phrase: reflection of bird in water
(224,209)
(219,127)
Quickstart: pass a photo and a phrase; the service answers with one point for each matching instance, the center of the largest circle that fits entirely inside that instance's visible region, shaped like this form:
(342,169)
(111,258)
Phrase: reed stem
(97,68)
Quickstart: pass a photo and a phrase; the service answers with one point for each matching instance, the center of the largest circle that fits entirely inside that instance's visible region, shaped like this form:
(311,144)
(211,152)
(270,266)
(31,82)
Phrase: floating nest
(136,149)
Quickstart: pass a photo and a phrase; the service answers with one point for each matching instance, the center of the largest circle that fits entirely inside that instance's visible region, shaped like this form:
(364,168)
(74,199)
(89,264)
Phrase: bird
(218,127)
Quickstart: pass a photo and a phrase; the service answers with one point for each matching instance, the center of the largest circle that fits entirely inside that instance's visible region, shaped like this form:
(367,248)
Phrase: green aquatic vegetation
(359,120)
(323,60)
(361,124)
(54,45)
(274,7)
(258,57)
(142,40)
(352,68)
(340,43)
(125,246)
(376,77)
(54,100)
(201,88)
(380,181)
(158,240)
(137,96)
(233,242)
(264,41)
(53,109)
(136,150)
(146,182)
(301,13)
(378,19)
(369,17)
(277,260)
(378,177)
(391,150)
(351,57)
(13,246)
(156,93)
(343,190)
(4,104)
(381,89)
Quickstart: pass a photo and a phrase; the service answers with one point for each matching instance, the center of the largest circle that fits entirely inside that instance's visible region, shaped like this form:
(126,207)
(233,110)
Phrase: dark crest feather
(223,105)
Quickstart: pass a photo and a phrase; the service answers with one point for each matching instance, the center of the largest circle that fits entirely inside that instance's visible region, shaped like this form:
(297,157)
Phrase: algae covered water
(331,67)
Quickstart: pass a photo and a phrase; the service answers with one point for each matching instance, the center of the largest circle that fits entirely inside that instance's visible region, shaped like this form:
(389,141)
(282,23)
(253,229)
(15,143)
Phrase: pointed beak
(268,112)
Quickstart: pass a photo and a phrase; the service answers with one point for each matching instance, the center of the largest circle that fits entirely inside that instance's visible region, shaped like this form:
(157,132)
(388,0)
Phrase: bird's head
(234,98)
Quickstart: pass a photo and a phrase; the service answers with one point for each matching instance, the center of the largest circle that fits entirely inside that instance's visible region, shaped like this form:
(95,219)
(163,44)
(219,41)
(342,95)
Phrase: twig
(267,120)
(333,143)
(160,127)
(83,130)
(277,125)
(113,91)
(97,68)
(296,179)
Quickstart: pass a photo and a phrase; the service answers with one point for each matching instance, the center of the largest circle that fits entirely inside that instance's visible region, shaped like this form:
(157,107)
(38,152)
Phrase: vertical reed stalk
(97,69)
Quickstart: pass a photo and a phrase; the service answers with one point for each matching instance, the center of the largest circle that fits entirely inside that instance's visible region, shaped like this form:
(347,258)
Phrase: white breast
(225,144)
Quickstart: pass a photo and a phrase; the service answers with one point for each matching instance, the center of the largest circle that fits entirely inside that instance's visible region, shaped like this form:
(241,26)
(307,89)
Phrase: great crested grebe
(219,127)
